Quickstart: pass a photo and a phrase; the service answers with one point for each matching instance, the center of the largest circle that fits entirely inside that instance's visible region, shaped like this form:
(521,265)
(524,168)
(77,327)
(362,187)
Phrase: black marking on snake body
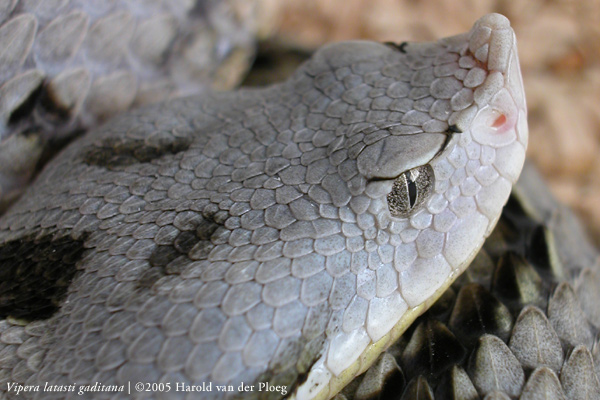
(35,273)
(116,152)
(454,129)
(449,133)
(401,47)
(52,108)
(171,258)
(25,109)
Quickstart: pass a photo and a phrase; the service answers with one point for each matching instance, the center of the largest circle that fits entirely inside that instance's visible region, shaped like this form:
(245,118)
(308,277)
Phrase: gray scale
(69,65)
(472,345)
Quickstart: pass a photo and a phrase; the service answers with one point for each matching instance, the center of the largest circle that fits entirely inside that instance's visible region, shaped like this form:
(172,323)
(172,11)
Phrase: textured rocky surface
(67,65)
(248,236)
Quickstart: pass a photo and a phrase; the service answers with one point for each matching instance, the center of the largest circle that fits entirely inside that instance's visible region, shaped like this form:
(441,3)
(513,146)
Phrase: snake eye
(411,189)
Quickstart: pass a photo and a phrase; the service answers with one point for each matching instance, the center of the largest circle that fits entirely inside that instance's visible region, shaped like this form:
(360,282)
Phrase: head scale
(437,134)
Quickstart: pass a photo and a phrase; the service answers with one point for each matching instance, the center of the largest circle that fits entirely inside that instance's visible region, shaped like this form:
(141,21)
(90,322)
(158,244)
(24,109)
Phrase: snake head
(436,135)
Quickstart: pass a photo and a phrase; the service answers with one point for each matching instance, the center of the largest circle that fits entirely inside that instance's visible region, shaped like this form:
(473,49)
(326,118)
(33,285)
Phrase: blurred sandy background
(559,48)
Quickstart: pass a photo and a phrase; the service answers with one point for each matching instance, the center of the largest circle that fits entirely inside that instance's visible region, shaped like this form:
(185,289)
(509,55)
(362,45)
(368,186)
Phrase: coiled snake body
(284,235)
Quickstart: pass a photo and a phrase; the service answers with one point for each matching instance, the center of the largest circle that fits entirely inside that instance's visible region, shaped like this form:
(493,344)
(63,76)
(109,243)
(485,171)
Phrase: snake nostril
(499,121)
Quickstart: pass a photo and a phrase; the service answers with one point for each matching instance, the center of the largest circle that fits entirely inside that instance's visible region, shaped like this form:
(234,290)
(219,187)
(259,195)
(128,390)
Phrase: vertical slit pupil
(412,190)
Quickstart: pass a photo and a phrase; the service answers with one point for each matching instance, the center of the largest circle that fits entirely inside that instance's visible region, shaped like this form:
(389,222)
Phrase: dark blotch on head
(35,273)
(114,152)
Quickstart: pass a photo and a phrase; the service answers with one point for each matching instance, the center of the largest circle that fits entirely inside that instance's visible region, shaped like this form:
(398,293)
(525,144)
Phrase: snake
(271,242)
(521,322)
(69,65)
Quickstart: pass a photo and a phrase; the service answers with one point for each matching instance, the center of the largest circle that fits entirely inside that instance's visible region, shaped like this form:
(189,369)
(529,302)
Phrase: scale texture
(249,236)
(67,65)
(522,321)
